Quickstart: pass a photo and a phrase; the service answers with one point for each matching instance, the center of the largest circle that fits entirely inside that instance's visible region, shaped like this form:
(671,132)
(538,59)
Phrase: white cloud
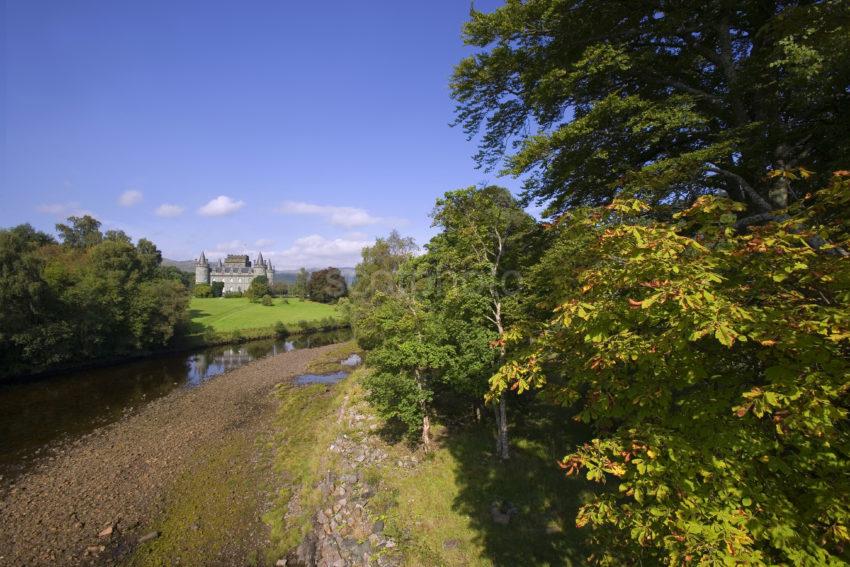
(130,198)
(221,205)
(168,210)
(264,243)
(231,246)
(348,217)
(63,209)
(318,251)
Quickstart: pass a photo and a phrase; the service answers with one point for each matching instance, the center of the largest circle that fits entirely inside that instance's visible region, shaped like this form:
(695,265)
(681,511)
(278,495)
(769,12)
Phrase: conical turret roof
(202,259)
(260,259)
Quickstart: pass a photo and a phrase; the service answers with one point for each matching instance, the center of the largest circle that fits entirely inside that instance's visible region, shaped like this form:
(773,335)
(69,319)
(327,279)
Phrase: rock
(378,527)
(148,536)
(107,531)
(280,563)
(321,517)
(501,512)
(95,548)
(389,544)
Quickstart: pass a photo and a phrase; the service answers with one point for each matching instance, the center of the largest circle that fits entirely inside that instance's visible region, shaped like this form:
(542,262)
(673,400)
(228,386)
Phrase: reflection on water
(331,378)
(353,360)
(36,414)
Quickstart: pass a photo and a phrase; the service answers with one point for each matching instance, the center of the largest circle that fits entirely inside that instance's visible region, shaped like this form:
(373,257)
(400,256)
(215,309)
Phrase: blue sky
(302,129)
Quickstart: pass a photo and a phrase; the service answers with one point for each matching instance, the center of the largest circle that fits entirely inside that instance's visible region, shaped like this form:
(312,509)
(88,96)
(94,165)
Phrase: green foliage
(664,102)
(280,330)
(267,300)
(84,232)
(233,294)
(279,289)
(217,289)
(202,290)
(258,289)
(95,296)
(714,367)
(299,288)
(326,285)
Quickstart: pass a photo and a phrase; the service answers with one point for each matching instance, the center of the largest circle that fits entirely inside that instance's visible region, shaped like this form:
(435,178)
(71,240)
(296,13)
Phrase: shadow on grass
(193,327)
(542,531)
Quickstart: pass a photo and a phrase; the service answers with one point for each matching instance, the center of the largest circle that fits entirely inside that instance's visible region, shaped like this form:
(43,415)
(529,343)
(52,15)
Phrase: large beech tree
(665,100)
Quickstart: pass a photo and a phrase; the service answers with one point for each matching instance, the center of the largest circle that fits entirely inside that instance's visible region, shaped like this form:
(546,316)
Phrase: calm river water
(35,415)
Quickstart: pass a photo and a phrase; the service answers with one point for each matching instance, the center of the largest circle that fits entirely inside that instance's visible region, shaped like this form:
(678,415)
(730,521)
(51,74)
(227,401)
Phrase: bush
(231,294)
(217,289)
(267,300)
(203,290)
(280,330)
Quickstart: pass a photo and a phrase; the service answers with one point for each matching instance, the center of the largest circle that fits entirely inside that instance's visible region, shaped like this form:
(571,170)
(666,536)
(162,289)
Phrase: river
(36,415)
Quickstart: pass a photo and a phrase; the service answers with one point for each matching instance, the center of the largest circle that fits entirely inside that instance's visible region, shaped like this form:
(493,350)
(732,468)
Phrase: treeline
(324,286)
(92,295)
(688,296)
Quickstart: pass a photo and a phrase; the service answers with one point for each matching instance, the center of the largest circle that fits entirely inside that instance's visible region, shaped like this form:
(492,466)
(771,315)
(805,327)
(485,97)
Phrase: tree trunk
(498,428)
(504,451)
(780,188)
(426,432)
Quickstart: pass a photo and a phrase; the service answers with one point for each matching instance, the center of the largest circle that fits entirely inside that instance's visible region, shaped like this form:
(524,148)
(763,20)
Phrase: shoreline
(120,478)
(191,342)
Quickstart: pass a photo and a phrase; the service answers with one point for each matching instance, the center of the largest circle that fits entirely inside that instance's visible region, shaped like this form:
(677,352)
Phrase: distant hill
(286,276)
(183,265)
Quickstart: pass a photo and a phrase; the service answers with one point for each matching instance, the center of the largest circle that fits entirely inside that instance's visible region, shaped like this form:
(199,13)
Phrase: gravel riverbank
(94,499)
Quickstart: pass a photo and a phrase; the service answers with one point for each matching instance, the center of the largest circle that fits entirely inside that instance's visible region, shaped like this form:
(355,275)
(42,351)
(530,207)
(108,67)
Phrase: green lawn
(238,313)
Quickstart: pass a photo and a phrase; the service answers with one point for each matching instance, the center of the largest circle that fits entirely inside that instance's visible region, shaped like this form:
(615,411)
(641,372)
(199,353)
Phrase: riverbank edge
(182,343)
(296,428)
(325,449)
(362,494)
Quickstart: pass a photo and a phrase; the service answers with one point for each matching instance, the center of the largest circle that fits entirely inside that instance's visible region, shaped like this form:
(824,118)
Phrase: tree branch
(757,199)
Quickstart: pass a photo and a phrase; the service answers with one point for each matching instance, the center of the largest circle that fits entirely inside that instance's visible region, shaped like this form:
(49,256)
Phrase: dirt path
(121,476)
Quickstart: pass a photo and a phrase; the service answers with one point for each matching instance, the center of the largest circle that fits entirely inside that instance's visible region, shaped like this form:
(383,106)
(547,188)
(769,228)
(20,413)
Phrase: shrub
(267,300)
(217,289)
(202,290)
(280,330)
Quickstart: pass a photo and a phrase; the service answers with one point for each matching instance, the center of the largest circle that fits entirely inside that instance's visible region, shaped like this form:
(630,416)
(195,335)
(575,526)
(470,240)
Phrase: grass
(440,510)
(305,425)
(212,507)
(224,315)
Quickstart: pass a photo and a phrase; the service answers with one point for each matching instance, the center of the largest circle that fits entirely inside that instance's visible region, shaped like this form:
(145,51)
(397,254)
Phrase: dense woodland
(688,295)
(93,295)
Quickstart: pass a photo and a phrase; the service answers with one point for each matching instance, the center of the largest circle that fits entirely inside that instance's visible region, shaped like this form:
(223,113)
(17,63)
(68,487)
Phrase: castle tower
(259,266)
(269,271)
(202,270)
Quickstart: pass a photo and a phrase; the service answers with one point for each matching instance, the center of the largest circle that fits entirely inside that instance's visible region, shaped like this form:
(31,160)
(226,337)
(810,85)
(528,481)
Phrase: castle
(236,271)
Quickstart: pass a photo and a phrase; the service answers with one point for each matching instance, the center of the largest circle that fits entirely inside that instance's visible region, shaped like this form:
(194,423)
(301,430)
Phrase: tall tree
(486,240)
(149,255)
(664,101)
(406,339)
(326,285)
(376,277)
(81,232)
(259,287)
(299,288)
